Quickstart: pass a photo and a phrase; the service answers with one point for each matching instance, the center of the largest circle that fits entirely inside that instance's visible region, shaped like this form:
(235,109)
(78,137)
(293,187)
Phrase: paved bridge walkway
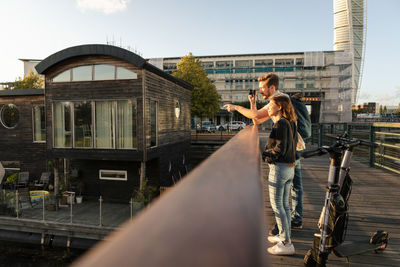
(374,205)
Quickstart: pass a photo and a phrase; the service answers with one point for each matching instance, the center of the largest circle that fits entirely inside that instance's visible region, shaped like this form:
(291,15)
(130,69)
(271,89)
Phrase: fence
(101,212)
(386,136)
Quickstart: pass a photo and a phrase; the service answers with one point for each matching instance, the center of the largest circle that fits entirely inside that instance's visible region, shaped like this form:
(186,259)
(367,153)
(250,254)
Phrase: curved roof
(105,50)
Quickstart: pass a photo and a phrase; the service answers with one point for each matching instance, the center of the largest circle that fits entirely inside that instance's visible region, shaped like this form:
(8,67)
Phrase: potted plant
(80,186)
(143,196)
(11,181)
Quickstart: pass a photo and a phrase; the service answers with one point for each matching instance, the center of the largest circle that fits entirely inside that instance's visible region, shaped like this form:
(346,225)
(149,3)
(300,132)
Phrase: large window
(82,73)
(105,124)
(263,65)
(64,76)
(94,72)
(39,124)
(123,73)
(243,66)
(126,117)
(9,116)
(104,72)
(284,65)
(96,124)
(62,124)
(83,124)
(224,67)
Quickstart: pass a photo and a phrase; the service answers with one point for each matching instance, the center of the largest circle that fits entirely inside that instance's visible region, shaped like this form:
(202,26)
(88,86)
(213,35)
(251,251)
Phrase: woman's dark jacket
(281,145)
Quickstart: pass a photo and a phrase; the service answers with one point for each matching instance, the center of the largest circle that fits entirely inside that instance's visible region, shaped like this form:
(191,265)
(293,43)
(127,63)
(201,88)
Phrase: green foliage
(380,109)
(12,179)
(204,97)
(146,194)
(29,82)
(384,109)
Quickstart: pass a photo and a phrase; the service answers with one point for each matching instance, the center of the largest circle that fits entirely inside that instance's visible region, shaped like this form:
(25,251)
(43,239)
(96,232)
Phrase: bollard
(70,214)
(16,203)
(131,205)
(100,218)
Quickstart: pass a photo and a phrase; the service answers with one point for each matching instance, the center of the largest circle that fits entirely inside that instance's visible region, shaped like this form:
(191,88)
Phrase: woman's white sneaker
(274,239)
(281,249)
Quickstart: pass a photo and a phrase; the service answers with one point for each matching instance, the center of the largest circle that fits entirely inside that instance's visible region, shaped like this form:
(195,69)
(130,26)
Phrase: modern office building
(324,78)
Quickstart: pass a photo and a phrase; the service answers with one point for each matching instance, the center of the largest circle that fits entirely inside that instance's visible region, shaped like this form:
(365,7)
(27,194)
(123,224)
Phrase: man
(268,85)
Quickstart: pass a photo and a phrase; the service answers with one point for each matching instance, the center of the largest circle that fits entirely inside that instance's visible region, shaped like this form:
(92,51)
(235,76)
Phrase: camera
(252,92)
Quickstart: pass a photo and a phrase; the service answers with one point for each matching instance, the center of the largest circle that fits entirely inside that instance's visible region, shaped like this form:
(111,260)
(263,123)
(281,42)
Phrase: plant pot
(79,199)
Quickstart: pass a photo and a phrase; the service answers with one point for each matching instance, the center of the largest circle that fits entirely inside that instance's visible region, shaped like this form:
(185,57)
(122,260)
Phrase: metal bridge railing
(386,136)
(212,217)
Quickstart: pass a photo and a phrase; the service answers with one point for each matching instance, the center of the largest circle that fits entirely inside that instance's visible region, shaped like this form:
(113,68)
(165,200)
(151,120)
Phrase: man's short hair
(271,79)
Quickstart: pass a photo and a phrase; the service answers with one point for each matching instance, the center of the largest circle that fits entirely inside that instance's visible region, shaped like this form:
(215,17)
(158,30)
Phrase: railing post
(16,203)
(372,148)
(70,214)
(349,130)
(43,215)
(100,218)
(131,207)
(320,134)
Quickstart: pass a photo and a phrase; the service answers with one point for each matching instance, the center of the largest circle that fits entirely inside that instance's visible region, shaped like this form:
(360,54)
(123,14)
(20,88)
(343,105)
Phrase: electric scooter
(334,215)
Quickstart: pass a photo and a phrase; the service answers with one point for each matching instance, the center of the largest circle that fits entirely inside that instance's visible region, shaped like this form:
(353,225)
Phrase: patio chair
(43,181)
(23,179)
(24,196)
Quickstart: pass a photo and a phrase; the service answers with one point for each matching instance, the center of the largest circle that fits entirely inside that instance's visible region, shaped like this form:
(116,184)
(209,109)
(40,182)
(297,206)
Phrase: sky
(159,28)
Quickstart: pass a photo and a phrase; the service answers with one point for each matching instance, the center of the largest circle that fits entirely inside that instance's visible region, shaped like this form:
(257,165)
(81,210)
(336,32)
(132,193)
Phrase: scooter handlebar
(312,153)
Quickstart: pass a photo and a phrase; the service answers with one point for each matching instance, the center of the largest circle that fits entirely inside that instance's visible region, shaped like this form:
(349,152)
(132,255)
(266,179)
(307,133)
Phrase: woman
(280,153)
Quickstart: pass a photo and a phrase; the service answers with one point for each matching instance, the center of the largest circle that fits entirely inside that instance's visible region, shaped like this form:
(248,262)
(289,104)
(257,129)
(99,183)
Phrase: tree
(204,97)
(29,82)
(385,110)
(380,109)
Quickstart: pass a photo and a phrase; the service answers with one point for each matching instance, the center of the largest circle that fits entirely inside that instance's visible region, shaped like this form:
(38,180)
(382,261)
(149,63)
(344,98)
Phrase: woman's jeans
(280,181)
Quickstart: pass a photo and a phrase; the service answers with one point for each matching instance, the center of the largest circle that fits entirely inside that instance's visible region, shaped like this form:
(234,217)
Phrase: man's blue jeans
(280,181)
(297,194)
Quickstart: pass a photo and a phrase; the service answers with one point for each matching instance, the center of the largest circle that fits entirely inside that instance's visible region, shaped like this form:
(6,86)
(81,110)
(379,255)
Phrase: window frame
(1,116)
(33,124)
(125,173)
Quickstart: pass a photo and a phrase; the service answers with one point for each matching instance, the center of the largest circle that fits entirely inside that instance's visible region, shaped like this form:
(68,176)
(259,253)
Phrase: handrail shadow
(213,217)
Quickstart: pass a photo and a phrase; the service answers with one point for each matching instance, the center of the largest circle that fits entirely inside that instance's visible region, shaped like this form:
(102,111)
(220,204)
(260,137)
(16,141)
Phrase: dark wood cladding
(170,128)
(17,144)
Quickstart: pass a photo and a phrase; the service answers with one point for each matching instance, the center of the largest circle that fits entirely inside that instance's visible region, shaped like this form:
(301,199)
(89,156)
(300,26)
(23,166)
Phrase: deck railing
(386,136)
(212,217)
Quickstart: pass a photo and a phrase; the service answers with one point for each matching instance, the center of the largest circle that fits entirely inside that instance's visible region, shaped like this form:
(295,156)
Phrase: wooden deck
(374,205)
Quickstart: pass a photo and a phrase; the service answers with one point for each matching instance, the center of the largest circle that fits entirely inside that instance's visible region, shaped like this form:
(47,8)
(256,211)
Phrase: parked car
(207,126)
(233,126)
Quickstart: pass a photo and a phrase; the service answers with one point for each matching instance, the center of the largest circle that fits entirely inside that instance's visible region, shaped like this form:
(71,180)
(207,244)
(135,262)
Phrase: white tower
(349,35)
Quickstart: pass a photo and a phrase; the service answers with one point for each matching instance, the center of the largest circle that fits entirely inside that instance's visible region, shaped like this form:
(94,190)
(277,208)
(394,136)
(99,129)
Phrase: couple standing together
(289,116)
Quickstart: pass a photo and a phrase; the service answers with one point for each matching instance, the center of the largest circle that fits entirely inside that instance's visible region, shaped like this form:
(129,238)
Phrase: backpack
(303,119)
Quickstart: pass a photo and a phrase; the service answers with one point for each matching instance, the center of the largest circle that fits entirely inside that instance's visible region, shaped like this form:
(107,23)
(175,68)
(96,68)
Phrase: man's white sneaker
(274,239)
(281,249)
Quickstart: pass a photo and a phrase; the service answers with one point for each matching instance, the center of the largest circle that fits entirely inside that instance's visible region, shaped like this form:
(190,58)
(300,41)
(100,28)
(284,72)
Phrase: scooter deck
(354,248)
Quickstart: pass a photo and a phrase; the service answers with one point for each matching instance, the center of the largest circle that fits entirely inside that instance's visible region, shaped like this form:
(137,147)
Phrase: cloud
(383,98)
(105,6)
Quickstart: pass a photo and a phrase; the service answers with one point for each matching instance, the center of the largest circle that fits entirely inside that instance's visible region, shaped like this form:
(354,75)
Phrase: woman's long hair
(287,108)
